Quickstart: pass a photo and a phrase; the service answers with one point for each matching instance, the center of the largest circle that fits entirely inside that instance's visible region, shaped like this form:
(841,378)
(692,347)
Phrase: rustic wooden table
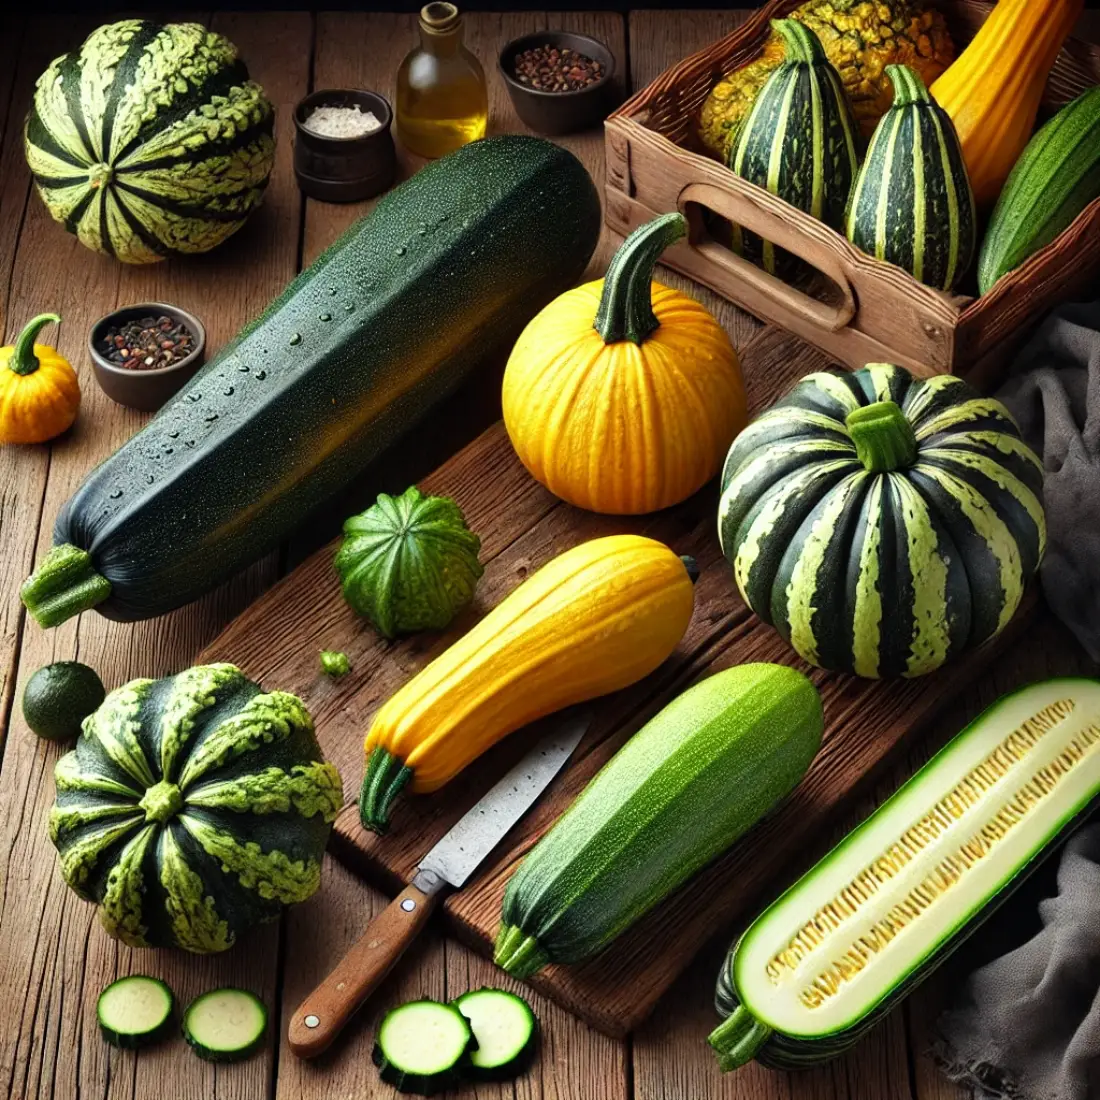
(54,958)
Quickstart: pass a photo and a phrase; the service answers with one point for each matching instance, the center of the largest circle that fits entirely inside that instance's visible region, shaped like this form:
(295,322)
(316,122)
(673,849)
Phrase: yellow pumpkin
(39,393)
(622,396)
(591,621)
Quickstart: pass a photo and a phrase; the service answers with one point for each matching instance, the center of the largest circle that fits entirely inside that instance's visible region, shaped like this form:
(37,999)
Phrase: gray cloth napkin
(1028,1025)
(1054,394)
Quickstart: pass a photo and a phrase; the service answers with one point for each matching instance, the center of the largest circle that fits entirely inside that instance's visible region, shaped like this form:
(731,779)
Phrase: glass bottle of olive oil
(442,100)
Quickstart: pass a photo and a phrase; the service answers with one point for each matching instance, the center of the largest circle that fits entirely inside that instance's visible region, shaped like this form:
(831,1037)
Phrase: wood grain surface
(54,958)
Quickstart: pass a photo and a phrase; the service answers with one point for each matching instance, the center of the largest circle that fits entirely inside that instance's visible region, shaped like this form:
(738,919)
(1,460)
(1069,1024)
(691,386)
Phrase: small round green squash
(409,563)
(882,523)
(59,697)
(194,807)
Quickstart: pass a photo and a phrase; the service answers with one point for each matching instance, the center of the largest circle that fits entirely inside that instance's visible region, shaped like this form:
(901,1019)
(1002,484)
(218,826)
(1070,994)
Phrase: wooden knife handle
(323,1014)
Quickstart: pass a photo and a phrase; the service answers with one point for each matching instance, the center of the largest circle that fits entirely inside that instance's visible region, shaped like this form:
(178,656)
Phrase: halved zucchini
(422,1046)
(225,1025)
(823,964)
(505,1030)
(135,1011)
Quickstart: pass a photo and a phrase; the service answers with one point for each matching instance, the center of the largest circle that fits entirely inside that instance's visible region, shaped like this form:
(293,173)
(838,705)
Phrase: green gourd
(912,204)
(880,522)
(799,140)
(194,807)
(695,778)
(409,563)
(447,268)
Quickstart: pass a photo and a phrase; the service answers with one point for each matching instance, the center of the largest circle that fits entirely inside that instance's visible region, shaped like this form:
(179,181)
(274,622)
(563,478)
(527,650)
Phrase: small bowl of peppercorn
(560,82)
(143,354)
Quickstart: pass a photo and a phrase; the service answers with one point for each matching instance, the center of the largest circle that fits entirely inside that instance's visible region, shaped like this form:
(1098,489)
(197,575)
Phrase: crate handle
(743,211)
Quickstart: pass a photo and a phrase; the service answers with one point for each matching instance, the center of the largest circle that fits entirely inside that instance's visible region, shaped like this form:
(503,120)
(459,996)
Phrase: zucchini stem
(23,359)
(883,436)
(737,1039)
(517,953)
(800,44)
(65,584)
(626,306)
(385,779)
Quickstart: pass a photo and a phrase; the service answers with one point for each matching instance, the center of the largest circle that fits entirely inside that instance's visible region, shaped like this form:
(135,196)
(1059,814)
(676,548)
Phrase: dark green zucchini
(384,325)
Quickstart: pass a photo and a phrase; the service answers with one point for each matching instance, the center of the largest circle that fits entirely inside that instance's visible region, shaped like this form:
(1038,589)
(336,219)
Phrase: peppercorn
(553,69)
(149,343)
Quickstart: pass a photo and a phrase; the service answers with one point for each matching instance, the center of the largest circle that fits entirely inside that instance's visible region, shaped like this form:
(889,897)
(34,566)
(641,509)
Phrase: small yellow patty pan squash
(39,393)
(622,396)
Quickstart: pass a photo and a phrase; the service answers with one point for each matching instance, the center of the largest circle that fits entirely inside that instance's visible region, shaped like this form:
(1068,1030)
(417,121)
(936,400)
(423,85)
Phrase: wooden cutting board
(277,640)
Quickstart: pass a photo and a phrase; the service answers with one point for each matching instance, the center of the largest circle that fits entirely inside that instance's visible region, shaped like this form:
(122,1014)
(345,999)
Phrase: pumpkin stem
(883,437)
(626,307)
(386,777)
(800,44)
(737,1039)
(23,360)
(62,586)
(908,86)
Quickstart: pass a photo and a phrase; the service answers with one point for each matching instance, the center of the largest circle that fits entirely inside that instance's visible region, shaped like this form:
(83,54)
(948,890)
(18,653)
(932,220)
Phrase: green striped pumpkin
(1056,177)
(194,807)
(882,523)
(912,204)
(798,140)
(150,141)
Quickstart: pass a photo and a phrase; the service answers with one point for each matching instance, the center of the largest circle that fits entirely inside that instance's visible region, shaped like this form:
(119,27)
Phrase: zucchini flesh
(506,1032)
(135,1011)
(225,1025)
(422,1046)
(387,323)
(879,912)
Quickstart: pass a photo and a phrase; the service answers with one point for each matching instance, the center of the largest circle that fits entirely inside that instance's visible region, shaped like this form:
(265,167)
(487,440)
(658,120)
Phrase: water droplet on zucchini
(295,339)
(261,375)
(229,391)
(326,316)
(401,250)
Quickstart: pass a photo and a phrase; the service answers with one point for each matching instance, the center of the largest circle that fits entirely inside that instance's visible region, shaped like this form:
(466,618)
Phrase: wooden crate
(871,311)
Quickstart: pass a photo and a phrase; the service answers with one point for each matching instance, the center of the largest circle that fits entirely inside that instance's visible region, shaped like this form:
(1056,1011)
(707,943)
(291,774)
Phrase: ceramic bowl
(145,390)
(560,112)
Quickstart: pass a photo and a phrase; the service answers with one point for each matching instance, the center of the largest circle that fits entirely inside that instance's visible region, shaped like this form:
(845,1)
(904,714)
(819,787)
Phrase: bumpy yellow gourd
(993,91)
(593,620)
(39,393)
(622,396)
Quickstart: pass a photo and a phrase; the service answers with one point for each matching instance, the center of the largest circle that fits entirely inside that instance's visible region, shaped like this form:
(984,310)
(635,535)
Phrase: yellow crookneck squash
(622,396)
(39,393)
(591,621)
(994,89)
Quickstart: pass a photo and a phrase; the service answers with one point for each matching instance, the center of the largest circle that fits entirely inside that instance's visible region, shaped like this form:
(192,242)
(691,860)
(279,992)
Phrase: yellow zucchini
(593,620)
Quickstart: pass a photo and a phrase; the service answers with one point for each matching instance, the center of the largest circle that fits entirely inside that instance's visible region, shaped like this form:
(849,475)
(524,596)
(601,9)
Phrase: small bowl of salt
(343,148)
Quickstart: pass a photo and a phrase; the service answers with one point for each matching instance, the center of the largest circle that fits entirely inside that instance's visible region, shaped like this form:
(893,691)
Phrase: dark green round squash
(59,697)
(409,563)
(882,523)
(194,807)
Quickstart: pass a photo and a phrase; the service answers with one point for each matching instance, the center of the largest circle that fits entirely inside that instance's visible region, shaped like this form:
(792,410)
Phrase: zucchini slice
(225,1025)
(506,1032)
(135,1011)
(423,1047)
(823,963)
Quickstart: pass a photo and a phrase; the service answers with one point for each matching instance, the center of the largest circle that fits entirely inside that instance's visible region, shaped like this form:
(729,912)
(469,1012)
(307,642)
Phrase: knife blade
(449,865)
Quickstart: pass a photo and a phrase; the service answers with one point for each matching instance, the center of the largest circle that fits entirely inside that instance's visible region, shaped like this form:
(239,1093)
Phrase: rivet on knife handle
(323,1014)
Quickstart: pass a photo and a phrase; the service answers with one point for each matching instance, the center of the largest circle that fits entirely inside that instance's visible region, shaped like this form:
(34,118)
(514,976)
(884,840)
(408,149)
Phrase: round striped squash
(194,807)
(150,141)
(882,523)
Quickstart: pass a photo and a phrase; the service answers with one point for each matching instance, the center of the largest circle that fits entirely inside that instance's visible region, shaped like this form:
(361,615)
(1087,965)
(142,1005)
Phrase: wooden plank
(55,958)
(278,638)
(574,1060)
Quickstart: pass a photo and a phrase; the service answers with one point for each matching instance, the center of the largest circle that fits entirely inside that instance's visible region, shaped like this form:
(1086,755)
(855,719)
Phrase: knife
(448,866)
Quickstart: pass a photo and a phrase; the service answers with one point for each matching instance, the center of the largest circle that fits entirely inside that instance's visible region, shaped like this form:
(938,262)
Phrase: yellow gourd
(993,91)
(622,396)
(591,621)
(39,393)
